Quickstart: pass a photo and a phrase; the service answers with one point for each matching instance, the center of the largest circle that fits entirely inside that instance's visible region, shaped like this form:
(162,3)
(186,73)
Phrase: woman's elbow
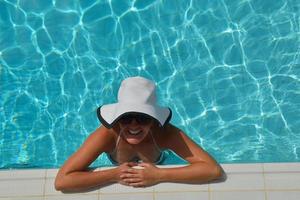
(59,184)
(217,172)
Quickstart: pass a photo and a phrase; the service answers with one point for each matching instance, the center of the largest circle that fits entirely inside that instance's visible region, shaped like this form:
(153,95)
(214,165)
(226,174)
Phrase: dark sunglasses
(140,119)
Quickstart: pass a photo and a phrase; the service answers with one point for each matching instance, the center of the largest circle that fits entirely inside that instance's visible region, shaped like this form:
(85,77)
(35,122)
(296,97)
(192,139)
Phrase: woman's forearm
(193,173)
(83,180)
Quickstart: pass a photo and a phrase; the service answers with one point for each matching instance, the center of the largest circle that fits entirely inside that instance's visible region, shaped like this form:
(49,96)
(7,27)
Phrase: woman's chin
(134,139)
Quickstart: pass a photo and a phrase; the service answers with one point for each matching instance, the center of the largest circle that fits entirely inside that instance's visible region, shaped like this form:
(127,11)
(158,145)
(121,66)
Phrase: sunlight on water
(229,70)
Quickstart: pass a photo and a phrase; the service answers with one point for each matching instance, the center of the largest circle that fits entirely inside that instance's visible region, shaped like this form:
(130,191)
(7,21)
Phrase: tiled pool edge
(268,181)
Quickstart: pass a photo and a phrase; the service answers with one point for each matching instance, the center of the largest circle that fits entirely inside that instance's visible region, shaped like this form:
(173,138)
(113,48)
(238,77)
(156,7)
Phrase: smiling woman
(136,132)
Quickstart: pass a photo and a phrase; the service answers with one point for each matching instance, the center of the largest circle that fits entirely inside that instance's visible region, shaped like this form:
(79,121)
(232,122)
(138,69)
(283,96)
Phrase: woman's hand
(146,176)
(124,167)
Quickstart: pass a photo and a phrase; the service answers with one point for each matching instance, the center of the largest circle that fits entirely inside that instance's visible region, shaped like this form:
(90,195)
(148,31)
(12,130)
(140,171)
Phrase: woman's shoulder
(103,137)
(171,130)
(167,135)
(101,132)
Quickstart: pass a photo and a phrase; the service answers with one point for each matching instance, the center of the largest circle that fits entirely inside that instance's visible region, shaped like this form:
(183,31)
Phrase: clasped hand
(138,174)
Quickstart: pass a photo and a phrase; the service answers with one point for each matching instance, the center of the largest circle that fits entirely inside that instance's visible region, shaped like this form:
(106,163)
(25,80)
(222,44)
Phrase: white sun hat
(136,95)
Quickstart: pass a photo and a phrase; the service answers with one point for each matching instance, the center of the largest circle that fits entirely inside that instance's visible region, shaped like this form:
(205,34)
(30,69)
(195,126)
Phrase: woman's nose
(133,122)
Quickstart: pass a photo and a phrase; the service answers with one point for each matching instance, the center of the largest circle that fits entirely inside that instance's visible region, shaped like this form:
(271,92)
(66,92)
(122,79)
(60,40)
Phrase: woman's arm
(74,175)
(202,167)
(198,172)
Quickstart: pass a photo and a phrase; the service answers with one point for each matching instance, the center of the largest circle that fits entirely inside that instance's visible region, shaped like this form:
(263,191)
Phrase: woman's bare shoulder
(167,134)
(103,138)
(171,129)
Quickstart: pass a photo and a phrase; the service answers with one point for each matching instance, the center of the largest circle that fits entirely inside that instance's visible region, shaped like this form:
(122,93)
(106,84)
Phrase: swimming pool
(229,70)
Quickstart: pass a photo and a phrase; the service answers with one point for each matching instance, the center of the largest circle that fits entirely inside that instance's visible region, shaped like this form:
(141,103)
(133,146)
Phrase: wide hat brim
(111,113)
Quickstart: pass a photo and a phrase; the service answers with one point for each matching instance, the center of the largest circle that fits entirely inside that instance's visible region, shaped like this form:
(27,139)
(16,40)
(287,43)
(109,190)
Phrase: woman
(135,134)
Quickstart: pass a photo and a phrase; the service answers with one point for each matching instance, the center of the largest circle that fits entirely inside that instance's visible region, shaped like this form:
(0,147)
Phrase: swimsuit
(159,160)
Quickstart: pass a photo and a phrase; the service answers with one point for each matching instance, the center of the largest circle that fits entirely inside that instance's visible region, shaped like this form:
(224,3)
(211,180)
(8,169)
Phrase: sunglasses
(140,119)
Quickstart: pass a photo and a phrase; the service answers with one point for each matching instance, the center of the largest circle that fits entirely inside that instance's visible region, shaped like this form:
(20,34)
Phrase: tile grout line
(264,177)
(44,188)
(99,197)
(209,192)
(99,189)
(19,196)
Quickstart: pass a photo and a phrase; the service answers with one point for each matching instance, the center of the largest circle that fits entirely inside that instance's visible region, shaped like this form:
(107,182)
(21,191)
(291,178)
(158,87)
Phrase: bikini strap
(117,143)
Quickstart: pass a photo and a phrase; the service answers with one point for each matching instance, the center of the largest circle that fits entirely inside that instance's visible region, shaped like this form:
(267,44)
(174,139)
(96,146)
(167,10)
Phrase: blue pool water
(229,70)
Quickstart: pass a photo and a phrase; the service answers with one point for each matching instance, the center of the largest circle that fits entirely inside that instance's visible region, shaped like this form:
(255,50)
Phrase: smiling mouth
(132,132)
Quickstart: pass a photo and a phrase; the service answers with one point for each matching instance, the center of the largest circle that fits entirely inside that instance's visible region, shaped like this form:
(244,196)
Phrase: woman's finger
(123,183)
(143,164)
(130,171)
(122,176)
(132,164)
(132,180)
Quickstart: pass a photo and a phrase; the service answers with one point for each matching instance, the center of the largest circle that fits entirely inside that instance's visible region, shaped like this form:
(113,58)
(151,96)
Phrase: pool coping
(267,181)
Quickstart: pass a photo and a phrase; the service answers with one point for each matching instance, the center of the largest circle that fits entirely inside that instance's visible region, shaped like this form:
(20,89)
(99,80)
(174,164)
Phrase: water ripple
(230,71)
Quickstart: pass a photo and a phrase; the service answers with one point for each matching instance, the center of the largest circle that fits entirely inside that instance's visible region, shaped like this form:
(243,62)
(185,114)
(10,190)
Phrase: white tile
(238,195)
(281,167)
(282,181)
(287,195)
(51,173)
(30,184)
(97,169)
(72,197)
(176,187)
(104,168)
(23,198)
(50,190)
(182,196)
(144,196)
(118,188)
(23,187)
(243,168)
(22,174)
(249,181)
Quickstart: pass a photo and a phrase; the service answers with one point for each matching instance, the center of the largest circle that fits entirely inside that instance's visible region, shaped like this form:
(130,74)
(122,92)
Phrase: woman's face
(134,128)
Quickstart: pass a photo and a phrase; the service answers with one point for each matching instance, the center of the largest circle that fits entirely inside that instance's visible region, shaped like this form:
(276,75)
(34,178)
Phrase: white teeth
(134,132)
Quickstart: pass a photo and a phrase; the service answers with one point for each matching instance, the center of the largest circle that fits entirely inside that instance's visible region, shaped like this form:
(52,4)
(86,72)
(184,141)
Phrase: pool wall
(268,181)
